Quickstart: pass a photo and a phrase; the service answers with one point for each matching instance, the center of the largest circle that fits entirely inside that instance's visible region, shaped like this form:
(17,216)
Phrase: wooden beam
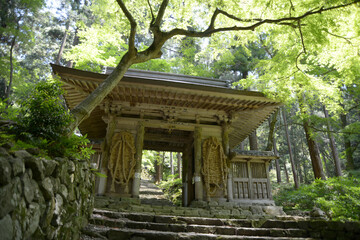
(158,137)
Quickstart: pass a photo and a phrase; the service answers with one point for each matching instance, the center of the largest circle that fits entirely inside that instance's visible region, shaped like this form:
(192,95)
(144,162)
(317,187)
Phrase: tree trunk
(84,109)
(75,42)
(306,179)
(8,88)
(171,163)
(314,152)
(178,164)
(63,43)
(272,122)
(333,148)
(271,145)
(347,144)
(157,165)
(296,181)
(297,163)
(325,157)
(278,172)
(296,158)
(253,141)
(286,172)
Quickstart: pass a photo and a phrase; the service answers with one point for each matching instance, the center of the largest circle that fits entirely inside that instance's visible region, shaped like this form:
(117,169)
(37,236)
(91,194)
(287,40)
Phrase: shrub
(42,121)
(43,114)
(339,197)
(172,188)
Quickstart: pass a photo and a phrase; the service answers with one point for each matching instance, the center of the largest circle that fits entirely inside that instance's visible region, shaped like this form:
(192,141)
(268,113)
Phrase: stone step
(156,202)
(196,228)
(171,219)
(112,233)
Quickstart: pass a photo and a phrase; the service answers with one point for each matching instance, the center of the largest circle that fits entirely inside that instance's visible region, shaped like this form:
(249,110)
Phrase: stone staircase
(150,194)
(153,217)
(124,225)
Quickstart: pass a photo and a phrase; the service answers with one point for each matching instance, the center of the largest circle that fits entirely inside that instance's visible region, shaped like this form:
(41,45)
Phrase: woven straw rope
(122,160)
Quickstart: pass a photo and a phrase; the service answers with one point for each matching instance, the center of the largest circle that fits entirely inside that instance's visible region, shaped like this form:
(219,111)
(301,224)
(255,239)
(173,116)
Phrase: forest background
(310,60)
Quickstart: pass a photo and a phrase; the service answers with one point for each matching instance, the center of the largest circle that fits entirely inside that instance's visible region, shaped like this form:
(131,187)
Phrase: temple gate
(203,118)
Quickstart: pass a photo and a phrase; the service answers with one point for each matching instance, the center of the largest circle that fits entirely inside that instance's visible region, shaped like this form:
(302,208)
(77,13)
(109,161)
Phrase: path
(150,194)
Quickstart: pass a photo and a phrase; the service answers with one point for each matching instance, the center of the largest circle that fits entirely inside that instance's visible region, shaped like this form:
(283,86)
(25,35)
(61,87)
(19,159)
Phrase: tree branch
(338,36)
(291,8)
(152,13)
(161,13)
(301,36)
(132,49)
(281,21)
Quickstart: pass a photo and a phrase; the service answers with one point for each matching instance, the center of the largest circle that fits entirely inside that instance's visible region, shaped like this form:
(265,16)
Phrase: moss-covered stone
(6,228)
(5,171)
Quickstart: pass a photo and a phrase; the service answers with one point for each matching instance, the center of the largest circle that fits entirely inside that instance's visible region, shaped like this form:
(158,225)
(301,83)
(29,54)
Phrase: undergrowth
(338,197)
(172,189)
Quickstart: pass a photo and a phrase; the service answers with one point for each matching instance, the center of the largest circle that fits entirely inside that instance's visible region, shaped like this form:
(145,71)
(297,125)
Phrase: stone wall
(43,199)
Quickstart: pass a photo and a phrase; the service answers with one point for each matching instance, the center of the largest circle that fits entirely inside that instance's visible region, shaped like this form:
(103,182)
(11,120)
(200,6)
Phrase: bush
(43,113)
(42,121)
(172,189)
(338,197)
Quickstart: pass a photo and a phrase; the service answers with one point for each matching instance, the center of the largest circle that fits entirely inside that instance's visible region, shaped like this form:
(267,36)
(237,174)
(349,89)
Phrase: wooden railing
(250,180)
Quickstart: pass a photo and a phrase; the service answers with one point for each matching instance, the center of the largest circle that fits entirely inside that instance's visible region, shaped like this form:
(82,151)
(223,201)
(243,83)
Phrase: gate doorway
(167,142)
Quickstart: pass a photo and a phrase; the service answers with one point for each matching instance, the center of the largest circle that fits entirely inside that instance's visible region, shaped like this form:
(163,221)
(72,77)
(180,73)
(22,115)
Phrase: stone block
(6,228)
(163,211)
(28,187)
(235,212)
(273,210)
(200,229)
(226,231)
(5,171)
(191,212)
(198,204)
(213,204)
(101,202)
(71,167)
(18,166)
(177,211)
(318,224)
(177,227)
(10,195)
(50,166)
(115,235)
(47,188)
(204,213)
(63,191)
(35,164)
(17,231)
(221,213)
(227,205)
(32,218)
(257,210)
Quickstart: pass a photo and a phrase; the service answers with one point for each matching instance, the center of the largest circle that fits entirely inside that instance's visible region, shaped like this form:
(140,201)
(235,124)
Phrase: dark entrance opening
(172,140)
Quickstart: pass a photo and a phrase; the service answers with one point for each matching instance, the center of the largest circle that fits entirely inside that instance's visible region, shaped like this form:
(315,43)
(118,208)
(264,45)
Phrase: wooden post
(269,194)
(197,160)
(185,175)
(106,153)
(226,147)
(138,156)
(251,190)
